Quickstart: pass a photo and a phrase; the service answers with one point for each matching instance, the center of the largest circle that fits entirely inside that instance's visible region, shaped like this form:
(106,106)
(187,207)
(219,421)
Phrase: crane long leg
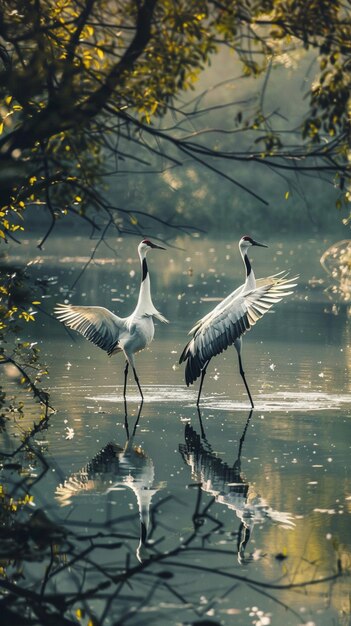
(243,436)
(242,373)
(203,434)
(237,464)
(138,417)
(137,382)
(203,373)
(126,419)
(126,425)
(125,379)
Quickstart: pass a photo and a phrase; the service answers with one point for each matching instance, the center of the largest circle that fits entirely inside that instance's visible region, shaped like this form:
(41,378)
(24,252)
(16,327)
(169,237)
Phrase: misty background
(263,198)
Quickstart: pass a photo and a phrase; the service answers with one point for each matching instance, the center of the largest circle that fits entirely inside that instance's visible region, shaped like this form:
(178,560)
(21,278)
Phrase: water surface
(229,514)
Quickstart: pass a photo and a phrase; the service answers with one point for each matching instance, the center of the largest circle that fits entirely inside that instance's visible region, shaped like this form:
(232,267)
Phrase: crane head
(246,242)
(146,245)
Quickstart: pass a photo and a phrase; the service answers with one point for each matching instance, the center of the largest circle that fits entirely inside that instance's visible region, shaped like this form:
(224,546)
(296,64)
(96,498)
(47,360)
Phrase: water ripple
(276,401)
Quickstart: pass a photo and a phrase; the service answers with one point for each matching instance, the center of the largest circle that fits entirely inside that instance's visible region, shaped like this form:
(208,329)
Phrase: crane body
(118,334)
(232,318)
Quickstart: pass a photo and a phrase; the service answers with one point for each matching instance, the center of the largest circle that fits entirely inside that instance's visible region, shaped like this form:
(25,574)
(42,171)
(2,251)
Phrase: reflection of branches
(38,393)
(58,603)
(258,584)
(200,516)
(275,599)
(89,563)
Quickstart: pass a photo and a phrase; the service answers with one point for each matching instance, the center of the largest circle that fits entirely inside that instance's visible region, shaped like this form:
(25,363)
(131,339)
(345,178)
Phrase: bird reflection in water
(116,468)
(228,485)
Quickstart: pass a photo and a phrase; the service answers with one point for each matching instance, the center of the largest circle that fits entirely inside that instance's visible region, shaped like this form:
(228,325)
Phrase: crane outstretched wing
(219,307)
(220,328)
(270,280)
(95,323)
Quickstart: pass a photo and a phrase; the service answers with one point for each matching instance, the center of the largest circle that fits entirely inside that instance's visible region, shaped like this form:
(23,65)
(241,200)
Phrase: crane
(118,334)
(117,468)
(232,318)
(228,485)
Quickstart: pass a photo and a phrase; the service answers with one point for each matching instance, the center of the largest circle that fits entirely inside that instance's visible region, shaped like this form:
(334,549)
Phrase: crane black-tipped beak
(154,245)
(256,243)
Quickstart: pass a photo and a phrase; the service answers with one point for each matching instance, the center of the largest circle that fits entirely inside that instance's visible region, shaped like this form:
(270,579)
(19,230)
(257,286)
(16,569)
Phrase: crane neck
(145,305)
(250,282)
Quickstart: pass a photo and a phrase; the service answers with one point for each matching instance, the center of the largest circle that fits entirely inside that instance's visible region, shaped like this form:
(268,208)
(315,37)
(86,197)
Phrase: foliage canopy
(83,85)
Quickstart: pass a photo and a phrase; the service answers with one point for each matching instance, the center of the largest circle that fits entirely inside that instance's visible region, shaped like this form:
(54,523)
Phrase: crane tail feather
(192,370)
(183,357)
(194,364)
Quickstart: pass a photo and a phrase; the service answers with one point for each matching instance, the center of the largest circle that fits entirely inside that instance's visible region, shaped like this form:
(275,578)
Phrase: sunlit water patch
(283,401)
(178,394)
(152,393)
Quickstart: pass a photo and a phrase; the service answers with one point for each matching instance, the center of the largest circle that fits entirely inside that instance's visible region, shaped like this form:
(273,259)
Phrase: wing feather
(95,323)
(231,319)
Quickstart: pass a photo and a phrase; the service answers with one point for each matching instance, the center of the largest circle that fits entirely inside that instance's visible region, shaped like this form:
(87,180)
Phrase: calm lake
(223,517)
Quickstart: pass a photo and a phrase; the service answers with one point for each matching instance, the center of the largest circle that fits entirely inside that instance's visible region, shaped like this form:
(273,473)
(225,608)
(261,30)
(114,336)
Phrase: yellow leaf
(78,199)
(133,220)
(153,108)
(8,99)
(32,180)
(100,53)
(1,127)
(2,234)
(36,302)
(287,195)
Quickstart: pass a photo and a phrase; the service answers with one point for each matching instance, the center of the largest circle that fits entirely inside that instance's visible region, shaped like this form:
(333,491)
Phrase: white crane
(231,318)
(118,334)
